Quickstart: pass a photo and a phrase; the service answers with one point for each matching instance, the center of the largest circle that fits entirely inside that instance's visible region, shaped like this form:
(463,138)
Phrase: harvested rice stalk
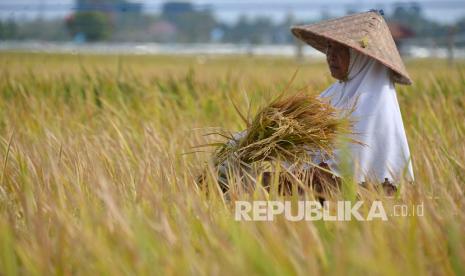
(290,128)
(283,137)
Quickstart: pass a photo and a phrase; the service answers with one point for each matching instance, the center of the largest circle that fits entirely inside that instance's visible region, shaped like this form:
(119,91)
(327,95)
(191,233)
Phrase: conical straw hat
(365,32)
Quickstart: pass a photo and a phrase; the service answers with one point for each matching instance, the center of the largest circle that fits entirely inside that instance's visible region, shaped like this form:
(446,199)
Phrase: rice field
(98,171)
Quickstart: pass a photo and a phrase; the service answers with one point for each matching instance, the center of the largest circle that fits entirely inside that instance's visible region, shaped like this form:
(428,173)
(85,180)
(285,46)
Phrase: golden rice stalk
(290,128)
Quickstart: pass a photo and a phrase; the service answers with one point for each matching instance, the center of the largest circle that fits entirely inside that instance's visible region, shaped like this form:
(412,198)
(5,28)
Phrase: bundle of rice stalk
(289,129)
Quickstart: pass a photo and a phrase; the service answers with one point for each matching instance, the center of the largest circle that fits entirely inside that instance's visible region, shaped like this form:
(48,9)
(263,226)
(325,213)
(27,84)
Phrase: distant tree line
(120,20)
(8,29)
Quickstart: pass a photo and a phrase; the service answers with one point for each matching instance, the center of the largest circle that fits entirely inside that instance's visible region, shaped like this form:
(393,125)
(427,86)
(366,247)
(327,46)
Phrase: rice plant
(95,176)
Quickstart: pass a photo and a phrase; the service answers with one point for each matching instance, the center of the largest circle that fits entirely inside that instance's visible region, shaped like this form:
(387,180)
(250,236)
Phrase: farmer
(362,56)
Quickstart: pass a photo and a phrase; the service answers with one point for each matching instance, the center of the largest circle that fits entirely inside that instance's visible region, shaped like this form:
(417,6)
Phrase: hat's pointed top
(365,32)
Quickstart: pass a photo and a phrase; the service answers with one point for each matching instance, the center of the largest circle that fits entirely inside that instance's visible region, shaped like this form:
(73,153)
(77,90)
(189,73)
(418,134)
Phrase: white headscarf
(378,122)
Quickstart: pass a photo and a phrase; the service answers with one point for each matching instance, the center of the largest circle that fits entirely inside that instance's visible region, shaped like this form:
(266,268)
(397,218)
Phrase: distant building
(400,33)
(163,31)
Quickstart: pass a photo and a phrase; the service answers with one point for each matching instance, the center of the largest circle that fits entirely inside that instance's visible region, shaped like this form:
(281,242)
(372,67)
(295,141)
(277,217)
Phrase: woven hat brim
(319,40)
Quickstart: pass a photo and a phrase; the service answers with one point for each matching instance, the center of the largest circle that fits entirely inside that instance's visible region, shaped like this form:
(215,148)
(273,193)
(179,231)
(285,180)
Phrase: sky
(445,11)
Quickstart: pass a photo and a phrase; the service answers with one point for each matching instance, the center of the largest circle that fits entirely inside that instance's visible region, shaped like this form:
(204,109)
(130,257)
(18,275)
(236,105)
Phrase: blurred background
(260,27)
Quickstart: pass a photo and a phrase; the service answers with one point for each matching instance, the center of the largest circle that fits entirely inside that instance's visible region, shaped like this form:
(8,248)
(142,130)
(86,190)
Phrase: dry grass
(93,179)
